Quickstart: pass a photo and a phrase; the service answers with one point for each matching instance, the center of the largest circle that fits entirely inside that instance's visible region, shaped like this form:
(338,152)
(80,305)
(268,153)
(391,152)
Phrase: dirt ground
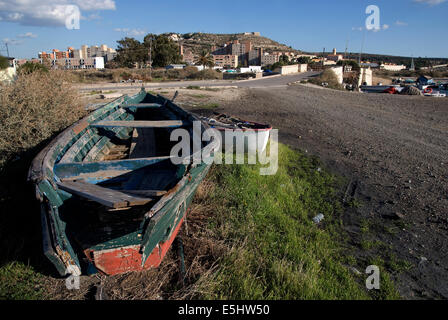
(393,152)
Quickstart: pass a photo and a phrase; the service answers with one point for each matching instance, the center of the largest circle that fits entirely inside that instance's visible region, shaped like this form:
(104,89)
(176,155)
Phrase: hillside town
(237,58)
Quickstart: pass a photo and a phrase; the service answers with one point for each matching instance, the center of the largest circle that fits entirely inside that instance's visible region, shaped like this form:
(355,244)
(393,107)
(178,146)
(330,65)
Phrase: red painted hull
(129,259)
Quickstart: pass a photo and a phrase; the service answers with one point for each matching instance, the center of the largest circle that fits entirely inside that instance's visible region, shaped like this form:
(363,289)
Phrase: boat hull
(76,223)
(129,259)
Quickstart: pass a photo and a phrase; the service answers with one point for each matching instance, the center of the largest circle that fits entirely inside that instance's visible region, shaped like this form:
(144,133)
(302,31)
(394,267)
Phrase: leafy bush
(32,109)
(354,64)
(30,67)
(328,76)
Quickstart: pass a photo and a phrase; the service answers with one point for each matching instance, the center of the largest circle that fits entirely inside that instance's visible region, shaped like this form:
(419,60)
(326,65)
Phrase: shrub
(205,74)
(3,63)
(354,64)
(32,109)
(30,67)
(328,76)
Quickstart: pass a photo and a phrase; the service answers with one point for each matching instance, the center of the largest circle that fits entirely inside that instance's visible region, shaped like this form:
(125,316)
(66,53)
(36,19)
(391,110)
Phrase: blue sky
(408,27)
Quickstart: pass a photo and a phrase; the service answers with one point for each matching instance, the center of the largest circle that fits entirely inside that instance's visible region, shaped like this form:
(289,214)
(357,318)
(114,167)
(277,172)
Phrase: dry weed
(33,108)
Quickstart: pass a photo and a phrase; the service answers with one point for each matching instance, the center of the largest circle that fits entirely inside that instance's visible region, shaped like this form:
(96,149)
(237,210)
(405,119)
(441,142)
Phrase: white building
(249,69)
(295,68)
(392,67)
(339,72)
(99,62)
(175,66)
(365,77)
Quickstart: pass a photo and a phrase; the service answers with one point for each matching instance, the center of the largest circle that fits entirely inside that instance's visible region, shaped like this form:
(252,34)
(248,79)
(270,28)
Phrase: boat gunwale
(268,127)
(42,169)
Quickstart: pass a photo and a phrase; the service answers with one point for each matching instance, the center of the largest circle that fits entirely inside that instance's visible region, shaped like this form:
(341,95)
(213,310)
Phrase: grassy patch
(371,244)
(20,282)
(387,289)
(275,250)
(398,265)
(365,226)
(194,87)
(198,96)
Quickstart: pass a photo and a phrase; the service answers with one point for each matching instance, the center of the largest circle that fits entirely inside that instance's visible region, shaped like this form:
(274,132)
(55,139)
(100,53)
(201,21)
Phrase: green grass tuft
(20,282)
(277,252)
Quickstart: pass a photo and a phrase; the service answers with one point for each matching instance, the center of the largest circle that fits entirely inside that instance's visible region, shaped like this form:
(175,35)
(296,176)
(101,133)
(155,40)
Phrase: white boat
(435,94)
(379,89)
(255,135)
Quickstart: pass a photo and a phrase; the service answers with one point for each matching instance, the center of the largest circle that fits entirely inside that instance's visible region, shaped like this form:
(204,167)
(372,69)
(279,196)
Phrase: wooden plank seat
(141,105)
(147,193)
(107,197)
(96,172)
(140,124)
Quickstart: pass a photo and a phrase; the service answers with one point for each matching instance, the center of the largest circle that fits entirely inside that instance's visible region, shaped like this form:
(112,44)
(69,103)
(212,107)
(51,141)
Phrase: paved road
(273,81)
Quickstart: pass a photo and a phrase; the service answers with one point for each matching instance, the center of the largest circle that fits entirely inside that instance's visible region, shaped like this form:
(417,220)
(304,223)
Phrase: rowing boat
(254,135)
(112,200)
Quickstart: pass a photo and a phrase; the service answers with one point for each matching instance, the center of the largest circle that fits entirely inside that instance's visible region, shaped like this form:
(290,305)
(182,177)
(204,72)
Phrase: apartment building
(84,53)
(235,48)
(269,59)
(225,61)
(75,63)
(254,57)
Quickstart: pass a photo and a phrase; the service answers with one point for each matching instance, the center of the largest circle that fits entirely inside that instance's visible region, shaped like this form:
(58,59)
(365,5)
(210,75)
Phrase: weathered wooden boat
(112,200)
(255,135)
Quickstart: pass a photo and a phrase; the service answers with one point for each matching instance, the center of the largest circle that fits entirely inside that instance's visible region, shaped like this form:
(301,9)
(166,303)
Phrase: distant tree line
(353,63)
(419,62)
(131,52)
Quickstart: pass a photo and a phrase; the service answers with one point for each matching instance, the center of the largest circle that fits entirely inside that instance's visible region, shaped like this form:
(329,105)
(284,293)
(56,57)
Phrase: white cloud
(430,2)
(131,32)
(90,17)
(48,12)
(401,23)
(95,4)
(27,35)
(121,29)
